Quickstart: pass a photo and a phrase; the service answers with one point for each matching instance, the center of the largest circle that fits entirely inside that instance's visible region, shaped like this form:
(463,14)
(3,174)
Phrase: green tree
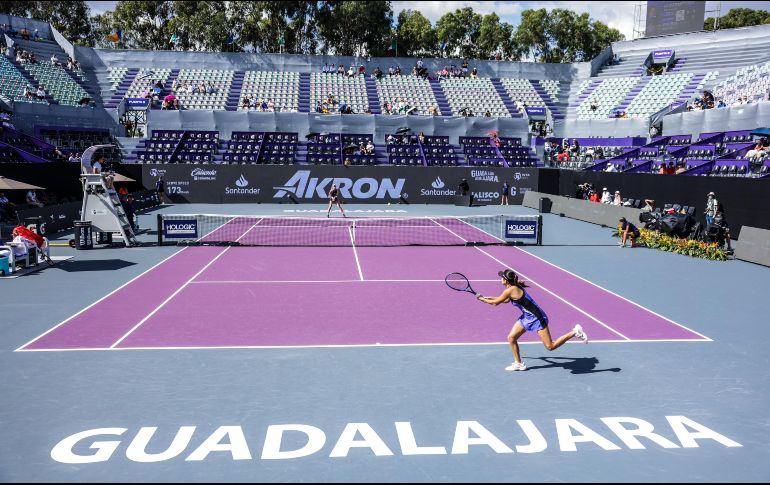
(201,25)
(415,35)
(71,19)
(494,37)
(144,24)
(460,31)
(355,28)
(561,36)
(739,17)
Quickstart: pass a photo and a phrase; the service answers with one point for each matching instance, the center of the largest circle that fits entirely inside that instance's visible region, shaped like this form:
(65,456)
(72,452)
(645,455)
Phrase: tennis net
(241,230)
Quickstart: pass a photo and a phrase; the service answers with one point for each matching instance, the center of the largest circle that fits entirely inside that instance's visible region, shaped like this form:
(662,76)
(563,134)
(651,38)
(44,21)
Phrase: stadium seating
(350,91)
(478,95)
(415,92)
(219,79)
(282,88)
(12,83)
(750,82)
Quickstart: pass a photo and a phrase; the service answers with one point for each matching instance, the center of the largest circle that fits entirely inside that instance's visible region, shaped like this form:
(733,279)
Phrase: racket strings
(459,282)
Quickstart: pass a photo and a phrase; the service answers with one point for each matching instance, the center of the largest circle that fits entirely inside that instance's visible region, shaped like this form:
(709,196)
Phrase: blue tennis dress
(532,318)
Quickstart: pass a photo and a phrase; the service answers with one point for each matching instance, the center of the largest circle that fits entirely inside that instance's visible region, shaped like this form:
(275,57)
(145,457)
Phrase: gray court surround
(603,412)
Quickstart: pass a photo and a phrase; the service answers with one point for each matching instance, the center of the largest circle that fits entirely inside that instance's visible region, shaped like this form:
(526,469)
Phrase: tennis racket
(458,281)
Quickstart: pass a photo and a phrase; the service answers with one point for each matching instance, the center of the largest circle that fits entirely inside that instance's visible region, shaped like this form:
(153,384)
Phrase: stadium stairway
(507,101)
(234,97)
(550,104)
(122,88)
(167,86)
(381,153)
(300,156)
(577,99)
(443,104)
(678,65)
(44,50)
(634,92)
(691,89)
(371,95)
(304,93)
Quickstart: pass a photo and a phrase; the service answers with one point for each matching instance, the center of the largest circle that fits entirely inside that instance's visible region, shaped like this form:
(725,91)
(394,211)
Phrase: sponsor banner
(137,104)
(536,112)
(180,229)
(520,229)
(53,218)
(663,54)
(311,184)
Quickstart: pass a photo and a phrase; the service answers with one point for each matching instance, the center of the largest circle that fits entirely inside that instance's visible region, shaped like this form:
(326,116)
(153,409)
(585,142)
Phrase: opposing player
(335,198)
(532,319)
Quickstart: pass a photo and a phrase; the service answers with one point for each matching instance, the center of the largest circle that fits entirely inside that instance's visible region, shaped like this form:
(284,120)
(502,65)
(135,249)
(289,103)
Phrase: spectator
(618,201)
(433,111)
(711,207)
(563,155)
(55,60)
(547,151)
(369,147)
(474,73)
(487,113)
(32,199)
(377,73)
(606,198)
(628,231)
(575,148)
(593,196)
(40,92)
(594,106)
(649,205)
(29,93)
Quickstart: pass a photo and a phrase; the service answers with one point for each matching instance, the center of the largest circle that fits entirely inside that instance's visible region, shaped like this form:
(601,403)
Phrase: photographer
(720,233)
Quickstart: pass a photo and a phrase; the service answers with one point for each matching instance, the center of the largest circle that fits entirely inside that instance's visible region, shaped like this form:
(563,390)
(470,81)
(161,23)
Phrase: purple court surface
(344,296)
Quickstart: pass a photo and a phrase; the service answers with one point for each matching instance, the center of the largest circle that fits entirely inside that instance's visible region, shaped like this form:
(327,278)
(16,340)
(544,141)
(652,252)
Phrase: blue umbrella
(761,132)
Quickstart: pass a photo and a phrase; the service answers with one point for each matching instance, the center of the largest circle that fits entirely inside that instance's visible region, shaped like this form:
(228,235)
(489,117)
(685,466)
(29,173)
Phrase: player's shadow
(576,365)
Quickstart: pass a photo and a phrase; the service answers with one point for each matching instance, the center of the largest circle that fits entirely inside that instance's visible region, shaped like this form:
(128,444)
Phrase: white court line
(343,346)
(228,282)
(604,289)
(180,289)
(546,289)
(112,292)
(355,253)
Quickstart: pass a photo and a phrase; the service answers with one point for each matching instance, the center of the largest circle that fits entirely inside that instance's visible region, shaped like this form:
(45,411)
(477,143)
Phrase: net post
(160,230)
(539,230)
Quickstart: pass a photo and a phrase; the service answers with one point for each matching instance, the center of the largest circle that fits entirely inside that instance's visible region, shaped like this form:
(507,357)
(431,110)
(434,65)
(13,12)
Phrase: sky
(617,14)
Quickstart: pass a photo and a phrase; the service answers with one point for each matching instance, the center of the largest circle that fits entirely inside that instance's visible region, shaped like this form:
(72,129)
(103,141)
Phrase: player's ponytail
(517,282)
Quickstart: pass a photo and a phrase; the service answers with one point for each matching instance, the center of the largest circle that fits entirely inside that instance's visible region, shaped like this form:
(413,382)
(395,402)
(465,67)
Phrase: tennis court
(350,359)
(343,294)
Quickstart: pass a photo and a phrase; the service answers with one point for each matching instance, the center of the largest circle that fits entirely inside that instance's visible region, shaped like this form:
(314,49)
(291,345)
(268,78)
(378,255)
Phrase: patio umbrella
(10,184)
(403,130)
(492,133)
(122,178)
(761,132)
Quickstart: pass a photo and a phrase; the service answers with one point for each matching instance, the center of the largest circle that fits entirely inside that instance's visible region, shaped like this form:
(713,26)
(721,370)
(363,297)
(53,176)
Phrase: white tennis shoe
(516,366)
(579,333)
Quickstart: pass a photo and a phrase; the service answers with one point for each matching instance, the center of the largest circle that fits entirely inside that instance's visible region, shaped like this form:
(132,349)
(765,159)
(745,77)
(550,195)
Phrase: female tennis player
(532,318)
(335,198)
